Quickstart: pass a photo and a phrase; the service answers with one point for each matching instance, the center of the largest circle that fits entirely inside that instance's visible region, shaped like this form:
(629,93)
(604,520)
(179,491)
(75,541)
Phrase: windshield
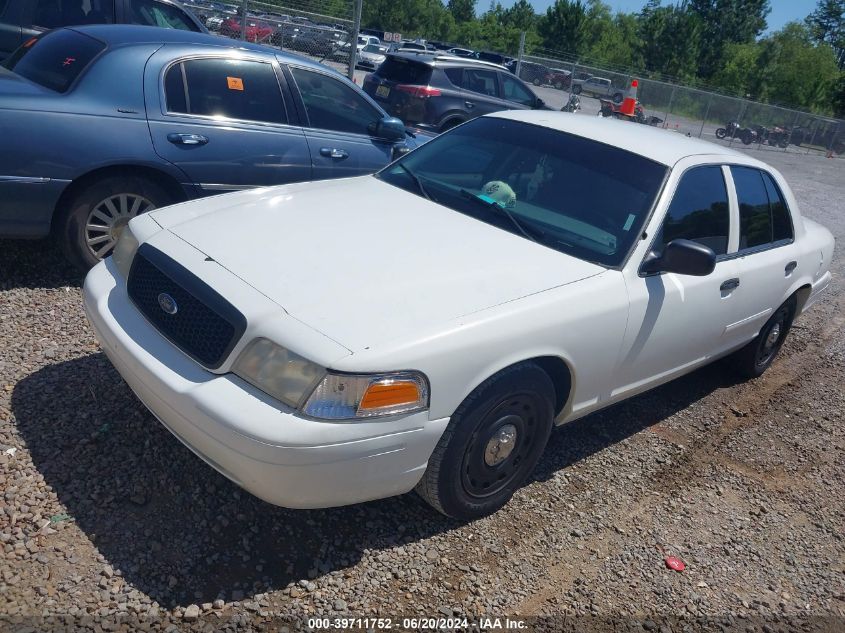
(572,194)
(372,48)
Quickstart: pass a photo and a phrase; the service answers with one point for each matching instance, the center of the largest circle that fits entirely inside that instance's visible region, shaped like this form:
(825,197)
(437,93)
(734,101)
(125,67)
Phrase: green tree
(827,24)
(564,27)
(725,22)
(520,16)
(670,39)
(461,10)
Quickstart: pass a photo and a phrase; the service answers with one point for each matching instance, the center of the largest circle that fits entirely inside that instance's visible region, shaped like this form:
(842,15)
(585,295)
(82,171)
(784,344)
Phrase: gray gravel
(105,514)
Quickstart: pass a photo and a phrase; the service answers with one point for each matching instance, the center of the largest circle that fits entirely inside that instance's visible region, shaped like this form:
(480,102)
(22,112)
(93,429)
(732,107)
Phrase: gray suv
(436,92)
(21,19)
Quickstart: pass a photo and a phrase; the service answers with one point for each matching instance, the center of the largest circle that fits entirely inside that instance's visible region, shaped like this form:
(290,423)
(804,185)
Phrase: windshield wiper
(492,204)
(416,180)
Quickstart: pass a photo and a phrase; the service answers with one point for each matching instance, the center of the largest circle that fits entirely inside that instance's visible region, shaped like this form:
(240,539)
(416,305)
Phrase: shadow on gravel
(35,264)
(181,533)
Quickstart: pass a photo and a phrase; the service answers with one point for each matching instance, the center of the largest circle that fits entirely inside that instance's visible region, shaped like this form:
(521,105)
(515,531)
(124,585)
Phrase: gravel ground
(105,514)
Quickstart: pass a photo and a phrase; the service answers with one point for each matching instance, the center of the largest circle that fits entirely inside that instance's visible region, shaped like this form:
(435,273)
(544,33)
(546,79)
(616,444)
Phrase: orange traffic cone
(629,103)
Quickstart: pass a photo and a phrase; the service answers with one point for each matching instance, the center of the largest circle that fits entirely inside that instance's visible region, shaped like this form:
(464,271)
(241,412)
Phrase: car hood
(364,262)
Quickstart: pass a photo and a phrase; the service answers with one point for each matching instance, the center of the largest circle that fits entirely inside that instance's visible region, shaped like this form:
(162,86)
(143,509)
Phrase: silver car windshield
(567,192)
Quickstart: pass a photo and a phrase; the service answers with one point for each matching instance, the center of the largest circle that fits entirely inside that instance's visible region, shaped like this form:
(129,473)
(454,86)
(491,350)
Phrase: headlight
(124,251)
(318,393)
(278,372)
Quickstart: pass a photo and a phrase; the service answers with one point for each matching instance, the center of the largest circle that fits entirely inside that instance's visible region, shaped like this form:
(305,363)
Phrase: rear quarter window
(56,59)
(405,71)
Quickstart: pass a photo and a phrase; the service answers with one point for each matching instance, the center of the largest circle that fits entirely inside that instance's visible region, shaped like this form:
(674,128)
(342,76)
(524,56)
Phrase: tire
(536,81)
(721,132)
(755,358)
(576,90)
(512,411)
(558,85)
(618,98)
(90,208)
(747,137)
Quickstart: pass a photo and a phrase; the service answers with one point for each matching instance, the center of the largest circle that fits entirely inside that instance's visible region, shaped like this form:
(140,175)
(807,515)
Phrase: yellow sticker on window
(235,83)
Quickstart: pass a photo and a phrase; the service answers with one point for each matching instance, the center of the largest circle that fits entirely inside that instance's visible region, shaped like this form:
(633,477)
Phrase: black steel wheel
(492,443)
(755,358)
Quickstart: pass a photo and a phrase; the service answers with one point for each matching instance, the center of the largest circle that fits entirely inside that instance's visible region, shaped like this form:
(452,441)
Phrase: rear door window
(51,14)
(755,216)
(483,82)
(235,89)
(154,13)
(56,59)
(405,71)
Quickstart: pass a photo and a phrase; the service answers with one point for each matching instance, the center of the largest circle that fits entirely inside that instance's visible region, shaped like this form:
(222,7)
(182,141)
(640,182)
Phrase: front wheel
(756,357)
(492,444)
(93,220)
(721,132)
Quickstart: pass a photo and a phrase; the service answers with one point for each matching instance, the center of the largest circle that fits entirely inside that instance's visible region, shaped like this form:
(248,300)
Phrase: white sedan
(425,327)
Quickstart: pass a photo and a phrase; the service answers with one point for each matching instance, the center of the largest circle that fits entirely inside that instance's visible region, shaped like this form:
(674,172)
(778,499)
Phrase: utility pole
(353,44)
(244,10)
(521,53)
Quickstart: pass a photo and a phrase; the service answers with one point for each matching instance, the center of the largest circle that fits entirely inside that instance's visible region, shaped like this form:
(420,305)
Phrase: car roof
(121,35)
(429,57)
(662,146)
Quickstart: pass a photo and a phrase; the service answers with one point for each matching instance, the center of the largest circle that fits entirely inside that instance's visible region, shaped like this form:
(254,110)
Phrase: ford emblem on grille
(167,303)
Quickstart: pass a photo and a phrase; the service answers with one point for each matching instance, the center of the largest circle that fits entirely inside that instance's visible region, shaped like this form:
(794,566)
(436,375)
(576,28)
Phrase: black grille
(204,325)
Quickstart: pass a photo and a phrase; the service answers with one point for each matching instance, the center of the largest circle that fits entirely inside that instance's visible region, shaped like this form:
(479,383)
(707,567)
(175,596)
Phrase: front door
(224,122)
(338,123)
(678,321)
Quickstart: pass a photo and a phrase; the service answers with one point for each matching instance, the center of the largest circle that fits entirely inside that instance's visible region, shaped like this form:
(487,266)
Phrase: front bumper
(281,457)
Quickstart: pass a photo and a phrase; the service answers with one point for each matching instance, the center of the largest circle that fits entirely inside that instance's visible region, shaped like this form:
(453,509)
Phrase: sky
(783,11)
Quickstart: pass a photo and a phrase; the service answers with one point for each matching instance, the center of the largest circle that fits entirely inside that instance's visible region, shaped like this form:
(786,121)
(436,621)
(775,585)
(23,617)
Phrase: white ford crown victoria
(327,343)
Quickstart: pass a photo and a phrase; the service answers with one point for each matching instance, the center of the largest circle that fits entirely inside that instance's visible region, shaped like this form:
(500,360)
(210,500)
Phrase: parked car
(256,31)
(22,19)
(537,74)
(111,121)
(461,52)
(598,87)
(320,41)
(371,57)
(560,78)
(312,388)
(438,92)
(493,58)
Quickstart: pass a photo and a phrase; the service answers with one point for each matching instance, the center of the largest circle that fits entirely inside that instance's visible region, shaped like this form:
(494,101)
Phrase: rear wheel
(449,124)
(94,218)
(576,90)
(536,81)
(618,98)
(491,445)
(558,85)
(756,357)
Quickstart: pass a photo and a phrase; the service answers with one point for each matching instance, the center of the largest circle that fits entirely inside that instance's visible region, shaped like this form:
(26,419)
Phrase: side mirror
(683,257)
(388,129)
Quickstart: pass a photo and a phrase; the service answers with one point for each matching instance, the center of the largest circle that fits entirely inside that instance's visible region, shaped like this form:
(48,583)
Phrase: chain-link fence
(322,30)
(685,110)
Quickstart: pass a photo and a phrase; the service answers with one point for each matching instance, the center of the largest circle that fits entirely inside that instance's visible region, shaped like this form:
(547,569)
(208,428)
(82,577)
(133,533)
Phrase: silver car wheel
(107,218)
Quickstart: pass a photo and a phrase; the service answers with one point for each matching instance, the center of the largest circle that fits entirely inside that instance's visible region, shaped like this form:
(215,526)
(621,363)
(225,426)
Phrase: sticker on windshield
(235,83)
(629,222)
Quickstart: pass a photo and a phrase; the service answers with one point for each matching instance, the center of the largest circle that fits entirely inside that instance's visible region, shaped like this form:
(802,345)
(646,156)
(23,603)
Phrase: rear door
(482,93)
(766,258)
(224,121)
(338,121)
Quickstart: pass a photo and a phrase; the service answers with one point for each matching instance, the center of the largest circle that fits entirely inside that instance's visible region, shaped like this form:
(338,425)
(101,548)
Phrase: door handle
(730,284)
(469,104)
(790,267)
(333,152)
(187,139)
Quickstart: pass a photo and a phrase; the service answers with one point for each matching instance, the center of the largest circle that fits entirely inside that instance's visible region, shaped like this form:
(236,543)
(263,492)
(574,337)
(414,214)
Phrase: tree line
(720,44)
